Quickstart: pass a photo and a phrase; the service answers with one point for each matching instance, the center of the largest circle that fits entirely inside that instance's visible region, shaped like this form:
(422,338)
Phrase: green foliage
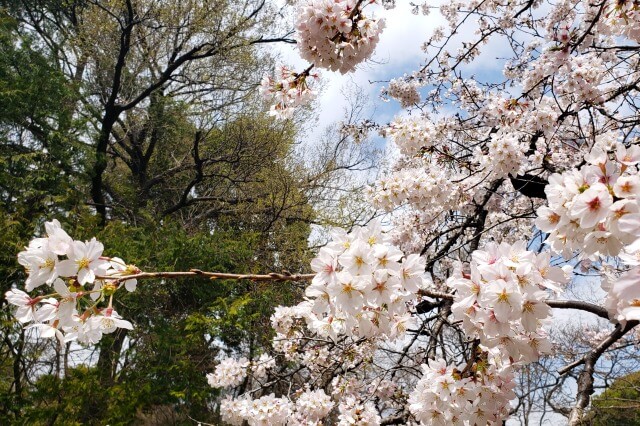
(179,328)
(619,405)
(38,179)
(39,154)
(80,399)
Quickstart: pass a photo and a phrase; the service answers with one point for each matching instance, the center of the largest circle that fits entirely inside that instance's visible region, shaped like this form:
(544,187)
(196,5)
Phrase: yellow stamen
(503,297)
(83,263)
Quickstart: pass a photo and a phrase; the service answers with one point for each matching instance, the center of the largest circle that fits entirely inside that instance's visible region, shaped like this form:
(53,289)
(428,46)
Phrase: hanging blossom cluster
(331,34)
(411,135)
(477,395)
(504,154)
(78,279)
(588,207)
(425,188)
(335,34)
(404,91)
(502,300)
(287,91)
(231,372)
(363,286)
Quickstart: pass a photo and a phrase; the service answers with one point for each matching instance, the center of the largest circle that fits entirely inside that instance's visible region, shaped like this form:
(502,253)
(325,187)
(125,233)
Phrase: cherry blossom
(229,372)
(80,283)
(592,208)
(287,91)
(41,263)
(26,309)
(335,34)
(546,157)
(84,261)
(459,396)
(501,301)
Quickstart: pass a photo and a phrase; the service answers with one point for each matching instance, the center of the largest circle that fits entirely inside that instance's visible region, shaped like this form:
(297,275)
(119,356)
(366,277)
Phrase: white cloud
(398,52)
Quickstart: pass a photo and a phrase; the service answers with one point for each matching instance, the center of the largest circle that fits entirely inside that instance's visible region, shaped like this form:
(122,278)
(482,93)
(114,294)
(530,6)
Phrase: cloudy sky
(398,52)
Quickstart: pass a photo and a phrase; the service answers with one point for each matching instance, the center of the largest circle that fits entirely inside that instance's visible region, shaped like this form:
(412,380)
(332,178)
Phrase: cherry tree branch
(273,276)
(557,304)
(585,380)
(579,305)
(287,276)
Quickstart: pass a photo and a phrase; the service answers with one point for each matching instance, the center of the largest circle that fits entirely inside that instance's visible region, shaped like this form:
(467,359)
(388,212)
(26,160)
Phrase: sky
(398,52)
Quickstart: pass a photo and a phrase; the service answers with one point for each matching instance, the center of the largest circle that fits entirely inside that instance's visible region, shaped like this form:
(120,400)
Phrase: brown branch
(284,276)
(618,332)
(585,380)
(435,294)
(444,313)
(476,220)
(582,306)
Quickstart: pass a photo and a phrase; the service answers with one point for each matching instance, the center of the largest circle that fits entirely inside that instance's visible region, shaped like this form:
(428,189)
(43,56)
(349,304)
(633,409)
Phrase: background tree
(618,404)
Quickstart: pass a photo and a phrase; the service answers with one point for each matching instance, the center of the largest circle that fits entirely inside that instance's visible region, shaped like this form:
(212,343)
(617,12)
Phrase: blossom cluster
(264,411)
(505,154)
(287,91)
(577,79)
(231,372)
(524,134)
(312,406)
(478,395)
(71,311)
(502,302)
(589,209)
(354,412)
(411,135)
(404,91)
(309,408)
(522,115)
(581,78)
(362,288)
(335,34)
(423,188)
(363,285)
